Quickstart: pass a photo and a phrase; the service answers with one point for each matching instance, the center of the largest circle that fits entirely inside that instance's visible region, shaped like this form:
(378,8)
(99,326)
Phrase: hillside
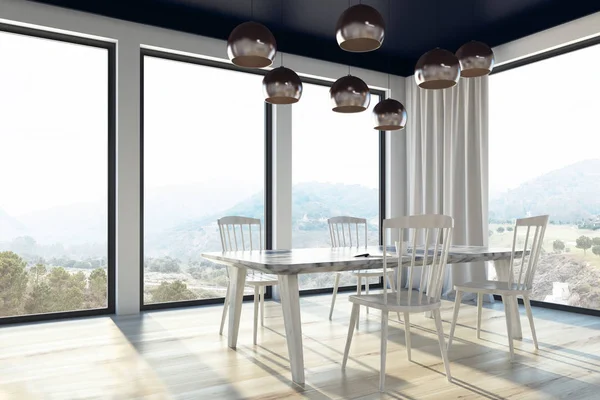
(313,202)
(570,195)
(10,227)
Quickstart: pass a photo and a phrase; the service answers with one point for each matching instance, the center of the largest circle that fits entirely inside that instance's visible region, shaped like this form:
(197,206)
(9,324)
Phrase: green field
(567,233)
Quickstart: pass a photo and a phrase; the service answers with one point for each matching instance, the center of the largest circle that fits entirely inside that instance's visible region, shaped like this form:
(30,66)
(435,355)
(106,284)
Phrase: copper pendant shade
(360,29)
(389,115)
(251,45)
(437,69)
(349,94)
(282,86)
(476,59)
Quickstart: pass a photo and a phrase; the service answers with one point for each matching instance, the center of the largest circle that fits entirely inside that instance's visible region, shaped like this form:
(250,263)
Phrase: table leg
(502,271)
(290,303)
(237,282)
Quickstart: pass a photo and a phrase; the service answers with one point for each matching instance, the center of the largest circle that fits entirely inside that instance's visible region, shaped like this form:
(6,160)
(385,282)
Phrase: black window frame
(268,162)
(382,189)
(110,47)
(545,55)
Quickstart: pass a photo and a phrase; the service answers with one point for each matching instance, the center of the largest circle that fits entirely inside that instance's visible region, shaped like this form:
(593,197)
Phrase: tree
(584,243)
(98,284)
(39,300)
(13,283)
(558,245)
(174,291)
(163,264)
(38,271)
(510,228)
(490,232)
(82,265)
(67,291)
(596,250)
(500,229)
(596,241)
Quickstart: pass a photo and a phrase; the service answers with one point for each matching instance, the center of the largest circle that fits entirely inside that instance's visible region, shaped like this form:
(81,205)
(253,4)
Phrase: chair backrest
(532,247)
(342,229)
(237,233)
(430,254)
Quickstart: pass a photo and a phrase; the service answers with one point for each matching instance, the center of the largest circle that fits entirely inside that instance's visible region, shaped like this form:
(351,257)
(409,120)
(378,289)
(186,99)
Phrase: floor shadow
(520,372)
(182,369)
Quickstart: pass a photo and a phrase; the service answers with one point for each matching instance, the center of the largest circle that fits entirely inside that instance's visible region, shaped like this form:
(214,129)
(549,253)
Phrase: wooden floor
(179,355)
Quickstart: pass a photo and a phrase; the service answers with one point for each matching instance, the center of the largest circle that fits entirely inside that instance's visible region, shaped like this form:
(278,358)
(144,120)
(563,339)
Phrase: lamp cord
(281,22)
(389,27)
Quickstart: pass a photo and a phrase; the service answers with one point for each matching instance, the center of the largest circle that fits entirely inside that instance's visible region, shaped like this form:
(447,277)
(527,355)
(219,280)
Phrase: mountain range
(312,204)
(569,195)
(182,218)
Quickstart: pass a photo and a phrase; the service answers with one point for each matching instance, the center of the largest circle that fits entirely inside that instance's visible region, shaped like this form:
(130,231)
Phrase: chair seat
(415,303)
(371,272)
(491,287)
(261,280)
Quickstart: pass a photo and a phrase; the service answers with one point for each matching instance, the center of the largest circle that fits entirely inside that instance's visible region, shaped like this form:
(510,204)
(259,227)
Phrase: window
(335,172)
(544,159)
(56,202)
(204,158)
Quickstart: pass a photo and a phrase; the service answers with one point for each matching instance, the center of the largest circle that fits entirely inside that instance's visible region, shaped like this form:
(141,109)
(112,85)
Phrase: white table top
(311,260)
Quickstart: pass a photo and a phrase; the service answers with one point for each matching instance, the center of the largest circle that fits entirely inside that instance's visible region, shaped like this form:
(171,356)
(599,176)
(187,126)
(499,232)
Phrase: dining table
(287,264)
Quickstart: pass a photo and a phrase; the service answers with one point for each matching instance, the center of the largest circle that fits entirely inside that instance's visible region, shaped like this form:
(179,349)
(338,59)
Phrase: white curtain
(447,164)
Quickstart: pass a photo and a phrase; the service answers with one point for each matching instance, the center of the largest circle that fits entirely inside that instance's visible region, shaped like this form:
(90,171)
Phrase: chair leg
(479,310)
(393,287)
(367,289)
(358,293)
(530,316)
(443,349)
(262,306)
(225,307)
(508,326)
(454,317)
(384,339)
(407,334)
(256,301)
(336,284)
(353,318)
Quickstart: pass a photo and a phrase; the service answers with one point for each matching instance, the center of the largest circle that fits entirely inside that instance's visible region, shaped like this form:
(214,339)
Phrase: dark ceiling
(307,27)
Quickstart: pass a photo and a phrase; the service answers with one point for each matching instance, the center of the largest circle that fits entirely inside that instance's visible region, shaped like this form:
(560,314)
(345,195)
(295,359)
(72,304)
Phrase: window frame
(110,47)
(382,188)
(268,178)
(545,55)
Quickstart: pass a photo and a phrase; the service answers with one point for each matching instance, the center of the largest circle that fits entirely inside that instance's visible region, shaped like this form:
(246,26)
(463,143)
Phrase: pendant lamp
(282,86)
(389,115)
(437,69)
(360,29)
(349,94)
(251,45)
(476,59)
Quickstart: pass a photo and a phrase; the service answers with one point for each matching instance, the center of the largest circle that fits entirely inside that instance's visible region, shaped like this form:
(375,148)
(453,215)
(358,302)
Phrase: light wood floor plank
(178,354)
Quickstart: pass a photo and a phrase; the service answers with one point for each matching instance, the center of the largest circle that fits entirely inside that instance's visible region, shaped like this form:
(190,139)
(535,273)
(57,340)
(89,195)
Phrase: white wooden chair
(519,282)
(344,232)
(437,231)
(233,230)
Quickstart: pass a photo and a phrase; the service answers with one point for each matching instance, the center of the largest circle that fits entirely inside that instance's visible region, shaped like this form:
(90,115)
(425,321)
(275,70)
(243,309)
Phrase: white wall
(559,36)
(130,37)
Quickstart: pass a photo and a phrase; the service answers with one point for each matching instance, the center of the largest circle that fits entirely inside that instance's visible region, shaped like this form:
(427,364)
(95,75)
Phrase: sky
(202,125)
(190,112)
(543,116)
(333,147)
(205,126)
(53,123)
